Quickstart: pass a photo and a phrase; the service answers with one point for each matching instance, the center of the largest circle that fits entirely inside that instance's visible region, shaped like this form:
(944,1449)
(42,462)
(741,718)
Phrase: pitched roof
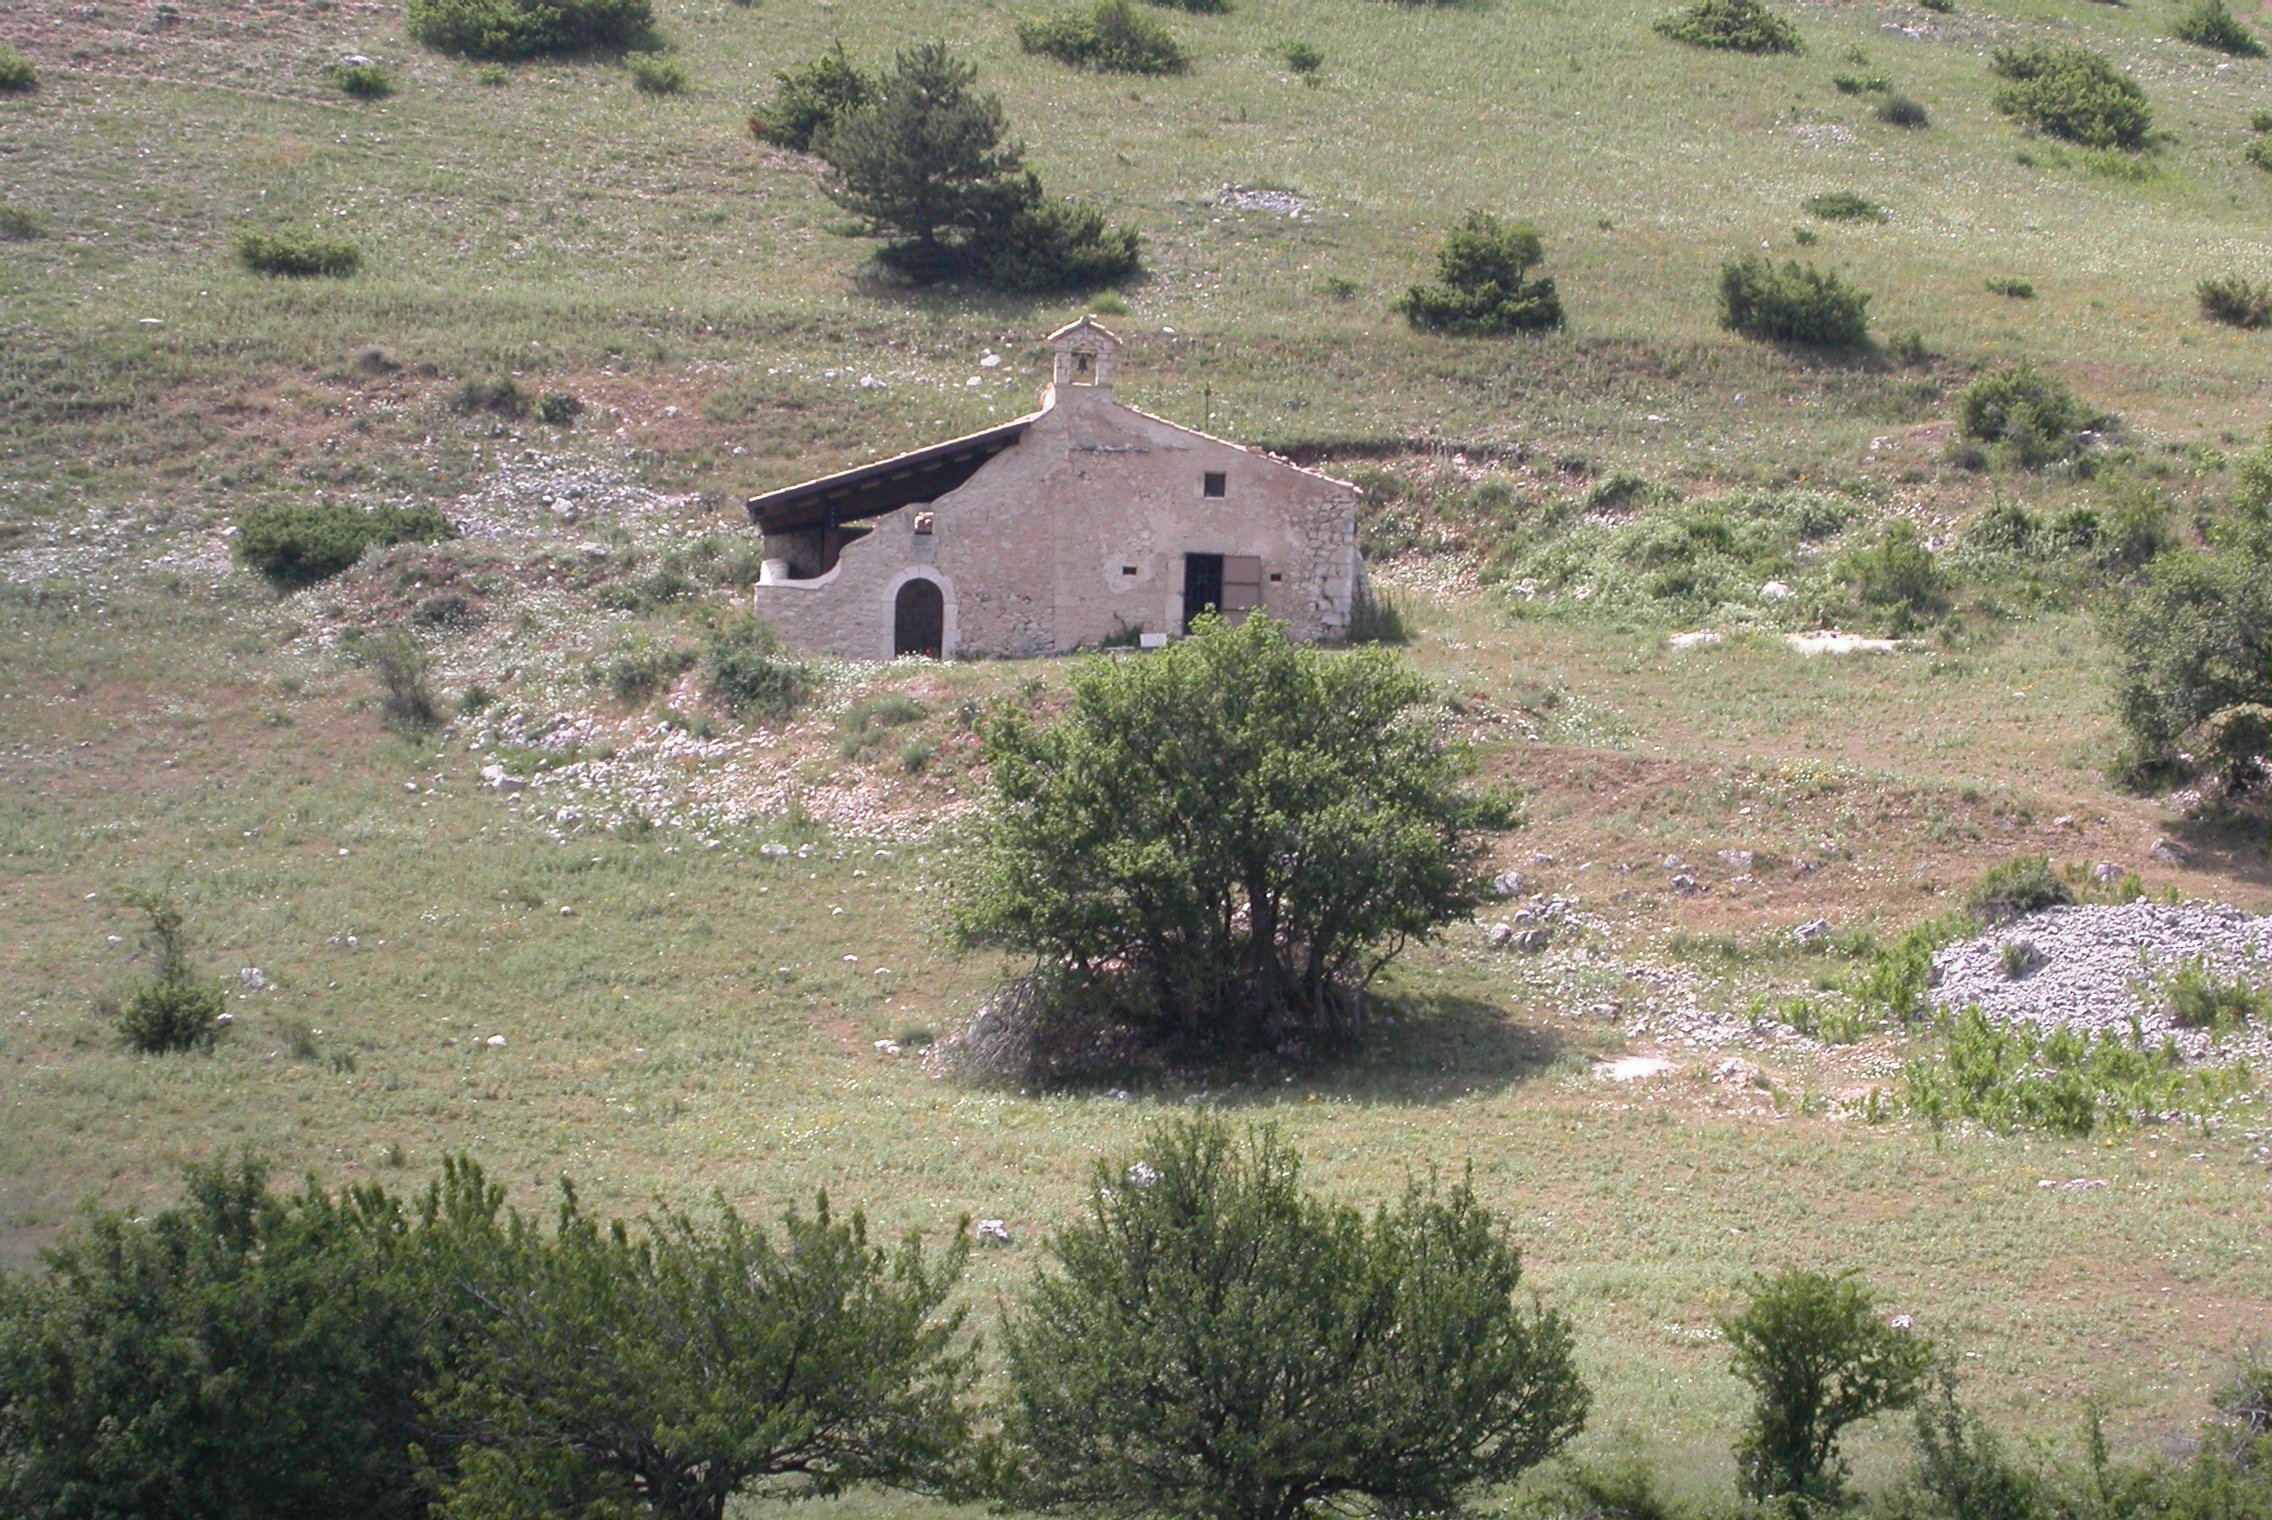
(872,490)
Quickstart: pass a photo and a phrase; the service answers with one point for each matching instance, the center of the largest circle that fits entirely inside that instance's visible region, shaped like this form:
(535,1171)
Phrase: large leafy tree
(664,1370)
(1217,1343)
(1818,1358)
(241,1354)
(1233,828)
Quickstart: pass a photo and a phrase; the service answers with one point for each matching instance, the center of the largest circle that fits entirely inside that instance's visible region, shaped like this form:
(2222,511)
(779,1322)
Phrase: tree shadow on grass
(1429,1047)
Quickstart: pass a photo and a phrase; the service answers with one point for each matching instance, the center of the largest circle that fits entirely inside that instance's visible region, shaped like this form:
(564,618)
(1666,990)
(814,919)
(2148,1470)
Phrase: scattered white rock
(1509,884)
(1831,641)
(1738,861)
(887,1047)
(772,847)
(1631,1068)
(252,979)
(1811,931)
(495,1042)
(1500,934)
(1695,639)
(1142,1174)
(2170,853)
(1776,591)
(993,1232)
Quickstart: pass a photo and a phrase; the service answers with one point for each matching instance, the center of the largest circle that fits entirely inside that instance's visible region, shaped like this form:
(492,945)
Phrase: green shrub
(2021,886)
(510,29)
(19,226)
(1112,38)
(177,1009)
(1901,111)
(2072,93)
(1961,1464)
(2211,24)
(17,73)
(2068,1083)
(2194,641)
(2235,301)
(2034,416)
(404,673)
(1896,574)
(1303,59)
(1941,6)
(295,253)
(1819,1359)
(2196,997)
(656,73)
(364,81)
(298,545)
(2017,289)
(502,396)
(745,670)
(1860,84)
(1213,1339)
(644,668)
(1196,7)
(1745,26)
(1375,617)
(1483,289)
(1844,206)
(807,101)
(559,409)
(867,721)
(492,74)
(1050,243)
(1793,304)
(2259,153)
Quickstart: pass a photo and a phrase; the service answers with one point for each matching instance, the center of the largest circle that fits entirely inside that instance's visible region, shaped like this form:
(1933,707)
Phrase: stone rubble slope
(2096,968)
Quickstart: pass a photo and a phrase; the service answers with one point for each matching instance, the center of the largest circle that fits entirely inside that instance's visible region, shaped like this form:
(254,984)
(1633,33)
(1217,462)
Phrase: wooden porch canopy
(874,489)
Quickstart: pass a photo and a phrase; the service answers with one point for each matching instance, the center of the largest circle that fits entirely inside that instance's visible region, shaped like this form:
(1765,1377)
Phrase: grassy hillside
(684,1013)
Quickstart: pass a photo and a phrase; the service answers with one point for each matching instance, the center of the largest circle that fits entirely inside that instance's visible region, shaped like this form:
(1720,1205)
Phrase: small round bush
(509,29)
(2017,888)
(2211,24)
(364,81)
(1901,111)
(1482,288)
(1792,304)
(295,253)
(2259,153)
(655,74)
(1304,59)
(172,1013)
(1845,206)
(2074,94)
(2235,300)
(1111,39)
(1743,26)
(17,73)
(2032,413)
(808,101)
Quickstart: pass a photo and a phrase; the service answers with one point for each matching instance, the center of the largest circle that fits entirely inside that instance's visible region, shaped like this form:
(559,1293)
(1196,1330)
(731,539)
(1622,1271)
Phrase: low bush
(1844,206)
(17,73)
(1483,288)
(19,226)
(1792,304)
(2197,996)
(2072,93)
(1896,574)
(2259,153)
(644,668)
(1112,38)
(2034,416)
(509,29)
(2235,301)
(1744,26)
(295,253)
(492,74)
(2023,1077)
(2260,121)
(745,670)
(1860,84)
(177,1009)
(293,546)
(867,721)
(2211,24)
(2017,888)
(1901,111)
(1375,617)
(399,664)
(558,409)
(807,101)
(2017,289)
(1303,59)
(1050,243)
(657,74)
(364,81)
(502,396)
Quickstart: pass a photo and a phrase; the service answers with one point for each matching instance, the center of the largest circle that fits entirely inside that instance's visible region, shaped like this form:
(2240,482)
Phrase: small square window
(1214,483)
(1127,569)
(1275,577)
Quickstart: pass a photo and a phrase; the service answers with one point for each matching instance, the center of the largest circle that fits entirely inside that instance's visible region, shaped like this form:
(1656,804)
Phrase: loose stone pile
(2095,969)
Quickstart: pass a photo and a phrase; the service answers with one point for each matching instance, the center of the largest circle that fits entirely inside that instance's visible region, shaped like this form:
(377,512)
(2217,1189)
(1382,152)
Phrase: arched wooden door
(919,619)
